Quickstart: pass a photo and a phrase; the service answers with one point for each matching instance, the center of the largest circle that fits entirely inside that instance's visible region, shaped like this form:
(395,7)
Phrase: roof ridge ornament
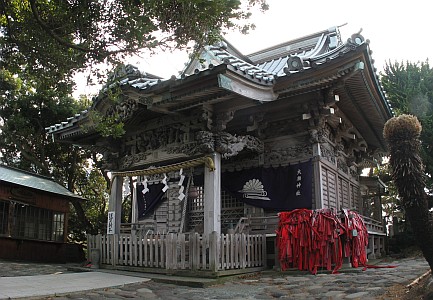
(222,45)
(296,64)
(356,39)
(123,71)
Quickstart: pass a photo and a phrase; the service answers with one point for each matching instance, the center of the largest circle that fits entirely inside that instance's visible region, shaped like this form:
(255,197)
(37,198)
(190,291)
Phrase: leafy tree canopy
(409,88)
(44,42)
(27,107)
(55,38)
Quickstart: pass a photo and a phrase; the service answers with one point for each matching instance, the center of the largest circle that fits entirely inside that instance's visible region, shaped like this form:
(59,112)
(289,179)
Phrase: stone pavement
(56,284)
(356,284)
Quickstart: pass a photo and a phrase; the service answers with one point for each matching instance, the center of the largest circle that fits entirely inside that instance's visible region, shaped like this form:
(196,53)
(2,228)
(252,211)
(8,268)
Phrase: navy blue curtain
(281,188)
(147,202)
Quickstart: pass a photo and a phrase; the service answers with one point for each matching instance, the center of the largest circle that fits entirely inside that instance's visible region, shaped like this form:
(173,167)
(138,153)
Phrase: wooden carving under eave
(227,144)
(122,110)
(230,145)
(287,153)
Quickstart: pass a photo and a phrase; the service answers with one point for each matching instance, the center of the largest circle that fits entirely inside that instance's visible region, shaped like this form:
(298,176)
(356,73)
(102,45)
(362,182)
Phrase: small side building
(34,218)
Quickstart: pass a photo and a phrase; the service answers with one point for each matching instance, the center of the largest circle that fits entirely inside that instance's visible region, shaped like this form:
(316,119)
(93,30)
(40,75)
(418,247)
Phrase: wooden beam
(246,88)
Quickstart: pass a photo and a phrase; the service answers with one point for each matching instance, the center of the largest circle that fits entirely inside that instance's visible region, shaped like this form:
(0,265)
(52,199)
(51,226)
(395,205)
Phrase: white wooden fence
(186,251)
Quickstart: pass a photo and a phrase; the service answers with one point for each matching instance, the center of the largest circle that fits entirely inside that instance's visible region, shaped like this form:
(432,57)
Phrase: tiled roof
(304,52)
(129,76)
(139,83)
(266,65)
(225,57)
(275,61)
(68,123)
(34,181)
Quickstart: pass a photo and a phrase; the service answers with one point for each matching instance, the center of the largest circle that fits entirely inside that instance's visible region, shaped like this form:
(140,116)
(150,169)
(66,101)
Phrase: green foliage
(107,126)
(44,42)
(56,38)
(93,186)
(409,88)
(391,203)
(112,125)
(402,136)
(27,107)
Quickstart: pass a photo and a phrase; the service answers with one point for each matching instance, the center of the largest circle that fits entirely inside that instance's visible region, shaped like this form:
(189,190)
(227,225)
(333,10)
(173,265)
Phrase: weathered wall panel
(22,249)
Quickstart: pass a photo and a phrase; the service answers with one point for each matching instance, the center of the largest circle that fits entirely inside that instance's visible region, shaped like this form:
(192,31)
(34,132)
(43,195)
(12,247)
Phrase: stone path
(369,284)
(14,269)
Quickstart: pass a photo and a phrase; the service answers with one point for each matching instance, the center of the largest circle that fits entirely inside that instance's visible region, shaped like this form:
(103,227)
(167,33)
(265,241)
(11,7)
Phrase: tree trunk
(402,135)
(419,220)
(82,217)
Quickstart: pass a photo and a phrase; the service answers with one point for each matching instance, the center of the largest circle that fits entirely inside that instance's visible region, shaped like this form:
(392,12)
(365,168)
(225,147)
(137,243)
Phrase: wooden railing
(257,225)
(269,224)
(373,226)
(186,251)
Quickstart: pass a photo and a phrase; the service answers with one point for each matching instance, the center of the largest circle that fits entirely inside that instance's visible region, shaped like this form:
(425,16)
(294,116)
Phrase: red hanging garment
(309,240)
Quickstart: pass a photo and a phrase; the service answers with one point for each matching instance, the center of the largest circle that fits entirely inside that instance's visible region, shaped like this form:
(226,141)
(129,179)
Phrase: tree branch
(26,154)
(50,32)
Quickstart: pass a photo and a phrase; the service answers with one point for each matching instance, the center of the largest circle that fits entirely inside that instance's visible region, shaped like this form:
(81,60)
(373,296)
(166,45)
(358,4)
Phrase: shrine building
(236,138)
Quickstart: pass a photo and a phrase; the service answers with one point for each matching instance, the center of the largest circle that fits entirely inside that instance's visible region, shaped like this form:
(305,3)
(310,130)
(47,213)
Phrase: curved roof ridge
(306,43)
(238,63)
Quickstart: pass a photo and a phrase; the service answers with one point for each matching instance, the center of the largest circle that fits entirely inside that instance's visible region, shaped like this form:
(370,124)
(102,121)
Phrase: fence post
(115,249)
(182,250)
(169,251)
(213,251)
(195,255)
(89,246)
(96,255)
(133,250)
(264,252)
(104,253)
(203,248)
(243,251)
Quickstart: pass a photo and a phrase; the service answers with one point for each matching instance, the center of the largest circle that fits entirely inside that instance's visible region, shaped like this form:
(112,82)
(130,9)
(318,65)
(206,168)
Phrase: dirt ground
(417,291)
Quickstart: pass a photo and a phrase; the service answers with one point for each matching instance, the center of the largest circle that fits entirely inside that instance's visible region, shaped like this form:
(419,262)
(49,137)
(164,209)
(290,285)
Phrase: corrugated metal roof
(34,181)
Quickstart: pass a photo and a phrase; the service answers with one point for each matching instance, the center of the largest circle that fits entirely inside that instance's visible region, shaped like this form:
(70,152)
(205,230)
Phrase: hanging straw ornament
(192,191)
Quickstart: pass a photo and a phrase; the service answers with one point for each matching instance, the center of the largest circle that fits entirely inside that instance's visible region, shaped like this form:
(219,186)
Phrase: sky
(398,31)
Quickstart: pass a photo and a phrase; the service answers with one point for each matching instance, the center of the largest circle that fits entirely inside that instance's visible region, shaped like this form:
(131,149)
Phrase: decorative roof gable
(221,75)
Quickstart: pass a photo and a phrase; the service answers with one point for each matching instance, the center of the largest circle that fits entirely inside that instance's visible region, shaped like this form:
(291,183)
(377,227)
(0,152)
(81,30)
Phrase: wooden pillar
(379,246)
(317,178)
(115,202)
(371,245)
(212,197)
(10,230)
